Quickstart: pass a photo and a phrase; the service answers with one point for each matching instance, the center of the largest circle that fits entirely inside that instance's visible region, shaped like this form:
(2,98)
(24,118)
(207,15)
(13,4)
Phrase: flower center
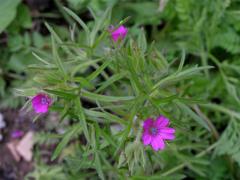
(44,101)
(153,130)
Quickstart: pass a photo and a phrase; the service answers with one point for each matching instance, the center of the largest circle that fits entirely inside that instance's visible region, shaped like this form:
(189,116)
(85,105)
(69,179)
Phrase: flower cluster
(155,132)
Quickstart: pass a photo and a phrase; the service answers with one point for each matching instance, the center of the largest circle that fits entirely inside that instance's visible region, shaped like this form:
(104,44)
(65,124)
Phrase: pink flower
(17,134)
(156,132)
(119,33)
(41,103)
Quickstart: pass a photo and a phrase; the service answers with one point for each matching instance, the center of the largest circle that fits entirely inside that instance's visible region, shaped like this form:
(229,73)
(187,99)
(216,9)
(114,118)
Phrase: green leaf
(84,65)
(80,22)
(15,42)
(222,109)
(57,38)
(38,40)
(180,67)
(57,58)
(67,137)
(95,146)
(19,61)
(24,16)
(171,98)
(98,25)
(8,11)
(103,98)
(78,4)
(98,71)
(142,42)
(193,115)
(105,116)
(62,94)
(2,86)
(43,67)
(121,160)
(84,82)
(185,74)
(40,59)
(164,100)
(110,81)
(82,118)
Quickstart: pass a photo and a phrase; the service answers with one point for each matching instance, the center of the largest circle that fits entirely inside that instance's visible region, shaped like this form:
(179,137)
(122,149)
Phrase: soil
(10,169)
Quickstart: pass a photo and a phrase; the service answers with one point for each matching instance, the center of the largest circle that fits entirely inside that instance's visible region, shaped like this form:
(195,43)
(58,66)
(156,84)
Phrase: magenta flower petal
(167,136)
(119,33)
(41,103)
(167,130)
(148,123)
(158,144)
(156,132)
(162,121)
(41,109)
(115,37)
(146,138)
(17,134)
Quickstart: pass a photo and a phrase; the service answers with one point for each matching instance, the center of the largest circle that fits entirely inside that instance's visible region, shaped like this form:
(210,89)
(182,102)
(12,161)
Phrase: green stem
(180,166)
(216,107)
(207,120)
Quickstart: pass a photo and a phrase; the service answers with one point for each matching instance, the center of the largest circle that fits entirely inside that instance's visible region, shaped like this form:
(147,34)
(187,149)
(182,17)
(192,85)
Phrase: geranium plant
(107,89)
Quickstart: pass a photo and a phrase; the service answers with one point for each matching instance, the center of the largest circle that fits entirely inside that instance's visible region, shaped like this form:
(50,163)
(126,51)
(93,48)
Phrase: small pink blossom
(119,33)
(41,103)
(17,134)
(156,132)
